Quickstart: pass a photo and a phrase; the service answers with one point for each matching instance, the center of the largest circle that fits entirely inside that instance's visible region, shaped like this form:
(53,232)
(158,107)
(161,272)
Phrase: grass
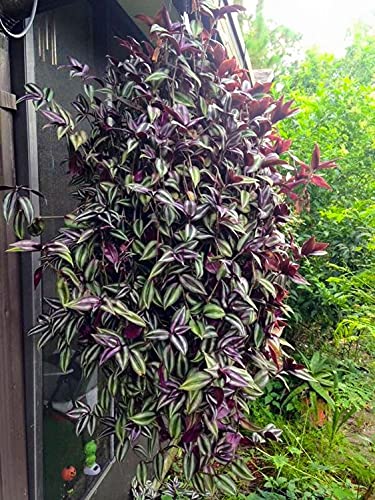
(321,456)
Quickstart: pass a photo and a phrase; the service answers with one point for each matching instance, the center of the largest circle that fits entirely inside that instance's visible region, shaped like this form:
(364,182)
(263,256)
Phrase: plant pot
(93,470)
(18,9)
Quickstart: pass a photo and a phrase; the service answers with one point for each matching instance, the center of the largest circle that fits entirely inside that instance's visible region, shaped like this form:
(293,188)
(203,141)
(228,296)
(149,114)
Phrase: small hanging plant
(172,271)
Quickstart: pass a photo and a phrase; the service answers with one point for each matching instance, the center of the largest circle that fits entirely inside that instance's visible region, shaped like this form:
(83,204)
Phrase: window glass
(59,33)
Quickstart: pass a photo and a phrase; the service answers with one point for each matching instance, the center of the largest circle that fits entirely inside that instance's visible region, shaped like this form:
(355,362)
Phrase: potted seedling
(91,467)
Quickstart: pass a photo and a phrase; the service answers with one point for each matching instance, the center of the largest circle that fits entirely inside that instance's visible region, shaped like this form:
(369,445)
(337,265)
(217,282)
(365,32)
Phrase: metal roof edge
(236,35)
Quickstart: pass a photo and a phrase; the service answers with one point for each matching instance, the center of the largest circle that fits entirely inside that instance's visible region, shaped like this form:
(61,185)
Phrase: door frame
(13,462)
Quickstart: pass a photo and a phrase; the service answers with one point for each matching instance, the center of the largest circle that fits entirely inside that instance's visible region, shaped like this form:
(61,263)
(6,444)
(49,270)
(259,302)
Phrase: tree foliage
(269,45)
(336,97)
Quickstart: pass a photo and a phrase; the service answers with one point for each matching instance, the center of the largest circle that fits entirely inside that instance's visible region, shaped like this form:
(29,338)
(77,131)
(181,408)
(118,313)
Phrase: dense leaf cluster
(337,101)
(172,270)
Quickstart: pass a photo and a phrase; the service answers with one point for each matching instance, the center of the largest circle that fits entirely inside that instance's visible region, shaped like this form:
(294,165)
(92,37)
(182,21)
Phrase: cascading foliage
(172,271)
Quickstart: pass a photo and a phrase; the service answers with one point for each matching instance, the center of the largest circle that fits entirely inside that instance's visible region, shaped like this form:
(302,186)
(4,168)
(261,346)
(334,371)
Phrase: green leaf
(141,473)
(192,284)
(85,235)
(195,175)
(190,465)
(78,138)
(121,450)
(143,418)
(323,393)
(158,465)
(183,99)
(112,384)
(91,270)
(65,357)
(175,425)
(148,293)
(153,113)
(120,431)
(18,224)
(198,328)
(63,291)
(8,205)
(122,358)
(224,248)
(241,471)
(258,335)
(194,400)
(172,294)
(27,208)
(138,227)
(157,269)
(267,285)
(69,273)
(213,311)
(119,308)
(61,250)
(226,485)
(158,334)
(157,76)
(203,105)
(150,250)
(161,166)
(137,362)
(245,201)
(196,381)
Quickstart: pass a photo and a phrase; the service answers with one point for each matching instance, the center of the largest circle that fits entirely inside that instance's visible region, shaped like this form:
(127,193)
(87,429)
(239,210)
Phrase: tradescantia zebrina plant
(173,269)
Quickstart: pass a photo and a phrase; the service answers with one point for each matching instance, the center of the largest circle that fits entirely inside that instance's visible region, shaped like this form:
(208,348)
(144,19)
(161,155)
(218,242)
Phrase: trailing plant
(172,271)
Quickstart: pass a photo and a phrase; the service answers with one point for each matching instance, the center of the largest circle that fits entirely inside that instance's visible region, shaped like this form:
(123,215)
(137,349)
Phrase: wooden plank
(13,463)
(26,159)
(7,100)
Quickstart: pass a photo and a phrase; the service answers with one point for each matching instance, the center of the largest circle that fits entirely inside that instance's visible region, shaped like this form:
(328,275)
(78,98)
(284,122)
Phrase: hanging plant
(172,271)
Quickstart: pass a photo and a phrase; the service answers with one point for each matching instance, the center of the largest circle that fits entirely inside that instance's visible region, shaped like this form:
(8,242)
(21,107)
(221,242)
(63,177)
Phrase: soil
(360,431)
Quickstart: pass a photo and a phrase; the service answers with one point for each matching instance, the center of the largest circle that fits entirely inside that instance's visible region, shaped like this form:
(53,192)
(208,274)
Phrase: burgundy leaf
(315,159)
(312,247)
(111,253)
(317,180)
(191,435)
(38,275)
(132,331)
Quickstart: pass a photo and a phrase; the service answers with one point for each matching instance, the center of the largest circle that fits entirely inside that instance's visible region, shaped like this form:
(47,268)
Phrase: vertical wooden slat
(13,466)
(26,163)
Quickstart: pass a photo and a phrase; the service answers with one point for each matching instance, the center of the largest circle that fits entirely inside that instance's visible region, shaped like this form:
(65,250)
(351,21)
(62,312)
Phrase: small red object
(69,473)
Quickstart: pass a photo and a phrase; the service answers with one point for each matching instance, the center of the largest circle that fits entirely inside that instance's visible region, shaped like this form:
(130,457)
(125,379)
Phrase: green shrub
(336,98)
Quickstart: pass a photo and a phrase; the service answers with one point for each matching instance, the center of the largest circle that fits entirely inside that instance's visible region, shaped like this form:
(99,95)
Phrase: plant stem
(52,216)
